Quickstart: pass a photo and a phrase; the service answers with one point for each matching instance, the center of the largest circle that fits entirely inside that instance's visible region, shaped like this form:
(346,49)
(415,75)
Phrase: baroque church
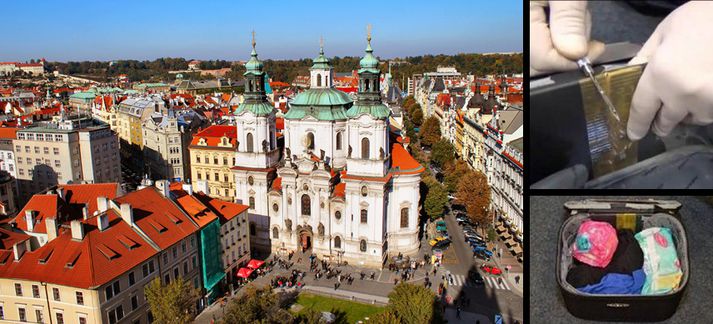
(344,187)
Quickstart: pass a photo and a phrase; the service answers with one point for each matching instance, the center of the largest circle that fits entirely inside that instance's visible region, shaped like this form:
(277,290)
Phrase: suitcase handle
(617,305)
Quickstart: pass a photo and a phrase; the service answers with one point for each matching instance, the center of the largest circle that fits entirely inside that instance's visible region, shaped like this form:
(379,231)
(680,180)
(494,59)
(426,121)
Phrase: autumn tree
(172,303)
(413,108)
(385,317)
(413,304)
(454,173)
(431,131)
(257,305)
(417,117)
(436,198)
(442,152)
(474,193)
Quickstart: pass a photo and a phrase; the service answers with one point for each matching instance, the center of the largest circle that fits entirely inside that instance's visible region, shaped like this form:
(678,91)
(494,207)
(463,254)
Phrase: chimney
(127,213)
(103,221)
(30,220)
(188,188)
(60,193)
(102,204)
(163,187)
(85,212)
(18,249)
(52,230)
(77,230)
(202,185)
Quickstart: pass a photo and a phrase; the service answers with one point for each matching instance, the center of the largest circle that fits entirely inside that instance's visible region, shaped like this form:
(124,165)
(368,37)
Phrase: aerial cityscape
(335,177)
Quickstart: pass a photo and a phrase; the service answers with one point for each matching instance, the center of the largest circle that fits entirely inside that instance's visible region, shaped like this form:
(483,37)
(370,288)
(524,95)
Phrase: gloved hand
(677,84)
(556,47)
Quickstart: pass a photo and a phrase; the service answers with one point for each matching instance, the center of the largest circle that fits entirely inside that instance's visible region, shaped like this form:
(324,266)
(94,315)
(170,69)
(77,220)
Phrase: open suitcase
(648,213)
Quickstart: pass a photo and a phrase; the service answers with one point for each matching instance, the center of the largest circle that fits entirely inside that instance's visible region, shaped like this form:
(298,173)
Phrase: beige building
(78,149)
(131,114)
(165,147)
(212,153)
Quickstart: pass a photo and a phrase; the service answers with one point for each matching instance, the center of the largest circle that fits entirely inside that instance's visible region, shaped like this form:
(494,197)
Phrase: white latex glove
(556,47)
(677,84)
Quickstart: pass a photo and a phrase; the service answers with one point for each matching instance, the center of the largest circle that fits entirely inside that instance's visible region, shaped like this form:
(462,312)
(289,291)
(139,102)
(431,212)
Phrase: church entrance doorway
(305,241)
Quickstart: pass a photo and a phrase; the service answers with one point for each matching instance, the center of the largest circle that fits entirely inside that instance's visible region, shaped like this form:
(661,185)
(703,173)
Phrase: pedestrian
(336,285)
(458,312)
(396,281)
(517,279)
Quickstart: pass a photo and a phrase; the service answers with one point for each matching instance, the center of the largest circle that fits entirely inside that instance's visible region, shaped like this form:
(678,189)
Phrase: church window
(320,230)
(250,180)
(339,141)
(250,142)
(319,80)
(364,216)
(337,242)
(404,217)
(364,191)
(252,202)
(338,215)
(275,233)
(275,207)
(306,208)
(364,148)
(367,85)
(310,139)
(362,245)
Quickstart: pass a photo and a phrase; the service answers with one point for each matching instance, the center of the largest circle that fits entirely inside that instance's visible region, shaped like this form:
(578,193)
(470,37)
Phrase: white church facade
(344,187)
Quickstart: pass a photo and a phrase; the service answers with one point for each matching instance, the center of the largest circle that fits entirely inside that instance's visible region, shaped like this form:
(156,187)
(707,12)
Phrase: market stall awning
(500,228)
(505,235)
(244,272)
(254,264)
(510,242)
(517,249)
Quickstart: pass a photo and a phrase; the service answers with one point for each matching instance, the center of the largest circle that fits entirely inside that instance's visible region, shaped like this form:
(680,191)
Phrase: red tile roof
(8,132)
(402,162)
(214,133)
(88,193)
(44,206)
(339,190)
(225,210)
(95,260)
(196,210)
(277,184)
(8,238)
(280,123)
(153,212)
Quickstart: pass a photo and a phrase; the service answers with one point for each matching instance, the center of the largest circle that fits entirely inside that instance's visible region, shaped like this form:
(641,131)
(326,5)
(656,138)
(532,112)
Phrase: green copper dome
(369,63)
(321,61)
(378,111)
(253,66)
(323,104)
(259,109)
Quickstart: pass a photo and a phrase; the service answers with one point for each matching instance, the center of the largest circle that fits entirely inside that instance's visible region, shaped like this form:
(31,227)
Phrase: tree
(436,198)
(407,103)
(417,117)
(257,305)
(443,152)
(453,173)
(385,317)
(474,193)
(413,304)
(172,303)
(413,108)
(431,131)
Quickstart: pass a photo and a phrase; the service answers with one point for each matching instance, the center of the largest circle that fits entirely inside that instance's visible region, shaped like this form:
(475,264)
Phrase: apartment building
(165,146)
(212,152)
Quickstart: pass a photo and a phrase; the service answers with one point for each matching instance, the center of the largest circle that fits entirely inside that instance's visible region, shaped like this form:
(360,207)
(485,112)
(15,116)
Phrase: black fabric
(627,258)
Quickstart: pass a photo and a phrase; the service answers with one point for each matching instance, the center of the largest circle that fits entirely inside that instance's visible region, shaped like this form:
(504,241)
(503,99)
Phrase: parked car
(474,243)
(475,277)
(472,234)
(442,244)
(436,240)
(491,269)
(481,255)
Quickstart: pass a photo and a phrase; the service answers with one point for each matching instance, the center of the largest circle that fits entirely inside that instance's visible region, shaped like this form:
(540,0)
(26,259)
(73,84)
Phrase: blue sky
(132,29)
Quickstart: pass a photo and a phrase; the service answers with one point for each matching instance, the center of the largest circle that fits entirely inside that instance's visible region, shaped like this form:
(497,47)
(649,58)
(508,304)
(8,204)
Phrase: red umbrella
(244,272)
(254,264)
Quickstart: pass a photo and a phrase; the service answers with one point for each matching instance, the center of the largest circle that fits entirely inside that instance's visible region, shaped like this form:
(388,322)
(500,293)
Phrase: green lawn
(353,311)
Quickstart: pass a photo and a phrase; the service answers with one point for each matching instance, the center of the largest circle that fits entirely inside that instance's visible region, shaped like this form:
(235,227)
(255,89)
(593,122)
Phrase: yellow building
(212,156)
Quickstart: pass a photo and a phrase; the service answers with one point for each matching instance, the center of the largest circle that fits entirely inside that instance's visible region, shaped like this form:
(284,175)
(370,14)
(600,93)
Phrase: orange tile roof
(196,210)
(339,189)
(213,134)
(8,238)
(224,209)
(402,162)
(88,193)
(279,123)
(277,184)
(97,259)
(8,132)
(44,206)
(153,212)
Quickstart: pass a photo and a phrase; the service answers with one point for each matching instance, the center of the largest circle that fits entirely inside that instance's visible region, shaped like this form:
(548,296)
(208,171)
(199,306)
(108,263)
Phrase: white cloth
(556,47)
(676,85)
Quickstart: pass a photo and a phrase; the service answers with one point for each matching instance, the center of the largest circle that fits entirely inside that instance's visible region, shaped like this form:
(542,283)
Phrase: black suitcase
(649,213)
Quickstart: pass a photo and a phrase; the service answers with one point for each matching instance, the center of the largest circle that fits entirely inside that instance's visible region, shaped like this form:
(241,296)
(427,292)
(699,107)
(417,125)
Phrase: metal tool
(586,66)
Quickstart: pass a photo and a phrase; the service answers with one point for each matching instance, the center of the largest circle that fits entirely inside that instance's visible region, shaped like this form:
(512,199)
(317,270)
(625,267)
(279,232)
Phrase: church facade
(344,187)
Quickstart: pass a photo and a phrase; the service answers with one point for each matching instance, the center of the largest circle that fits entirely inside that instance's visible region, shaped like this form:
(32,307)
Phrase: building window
(338,215)
(215,161)
(60,318)
(116,314)
(18,289)
(306,208)
(225,177)
(363,216)
(55,293)
(251,180)
(217,176)
(132,280)
(362,245)
(404,217)
(319,80)
(82,320)
(174,251)
(275,207)
(337,242)
(364,148)
(249,144)
(175,273)
(134,302)
(199,176)
(23,315)
(80,298)
(339,141)
(38,314)
(198,159)
(364,191)
(185,267)
(310,140)
(35,291)
(252,229)
(251,201)
(275,233)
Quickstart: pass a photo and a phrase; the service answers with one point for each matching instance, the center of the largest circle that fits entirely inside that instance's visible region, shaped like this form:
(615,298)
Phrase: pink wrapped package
(595,243)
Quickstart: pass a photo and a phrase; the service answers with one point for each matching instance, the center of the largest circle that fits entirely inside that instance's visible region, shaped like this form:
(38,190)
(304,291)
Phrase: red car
(491,269)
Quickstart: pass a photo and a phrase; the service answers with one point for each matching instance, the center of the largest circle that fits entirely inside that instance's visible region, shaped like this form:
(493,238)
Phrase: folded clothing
(618,283)
(595,243)
(627,258)
(661,264)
